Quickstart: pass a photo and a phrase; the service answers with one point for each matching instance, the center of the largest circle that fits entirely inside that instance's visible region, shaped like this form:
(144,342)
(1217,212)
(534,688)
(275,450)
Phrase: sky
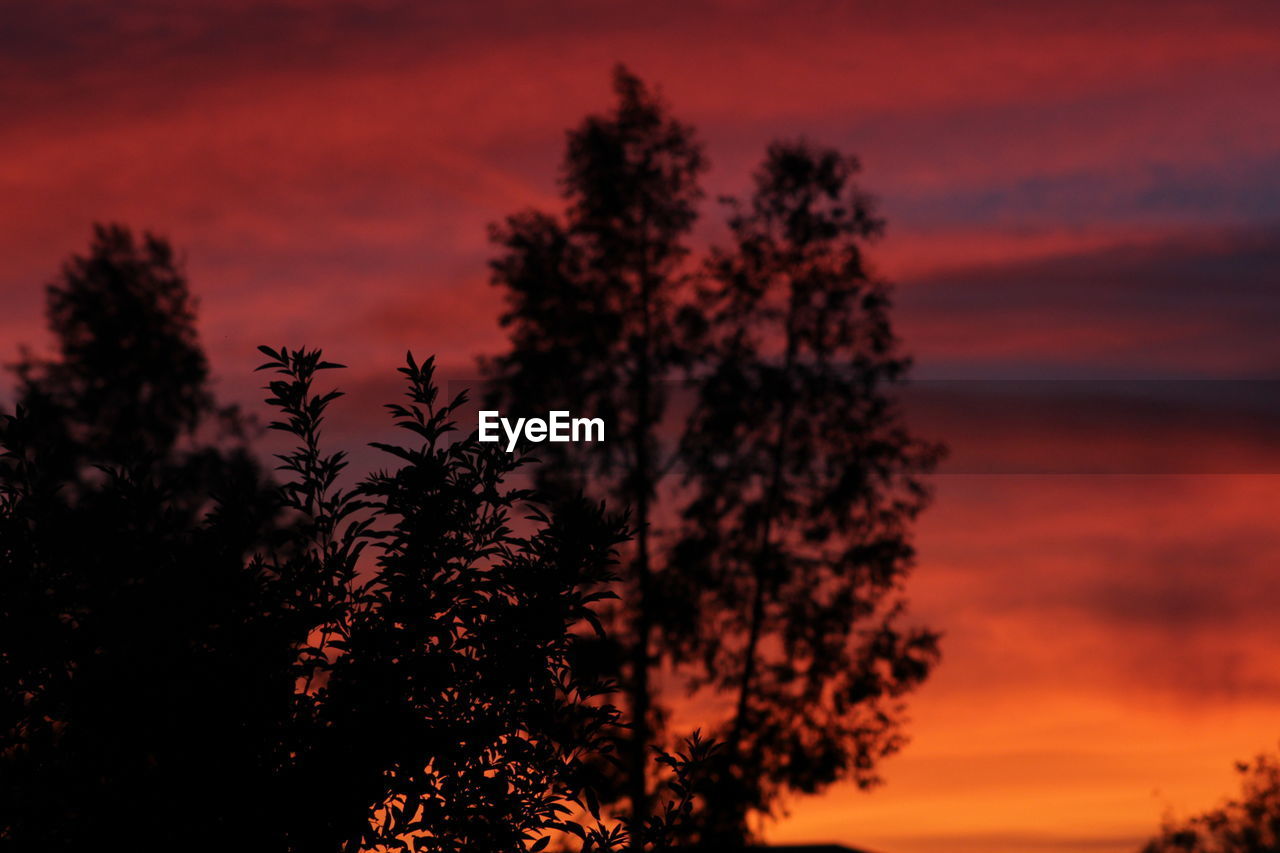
(1083,191)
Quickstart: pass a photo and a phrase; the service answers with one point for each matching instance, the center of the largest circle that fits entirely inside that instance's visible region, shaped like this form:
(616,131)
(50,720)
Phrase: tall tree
(778,584)
(130,376)
(593,302)
(129,383)
(144,661)
(803,482)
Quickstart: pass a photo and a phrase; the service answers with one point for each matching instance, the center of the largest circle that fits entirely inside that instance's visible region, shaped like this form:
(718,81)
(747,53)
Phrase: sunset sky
(1075,190)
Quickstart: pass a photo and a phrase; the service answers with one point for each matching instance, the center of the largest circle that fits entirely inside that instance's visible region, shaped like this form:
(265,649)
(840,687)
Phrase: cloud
(1191,303)
(1158,587)
(1085,191)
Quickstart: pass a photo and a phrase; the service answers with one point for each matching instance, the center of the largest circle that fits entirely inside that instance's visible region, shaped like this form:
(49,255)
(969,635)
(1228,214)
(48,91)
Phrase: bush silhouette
(193,658)
(426,700)
(441,694)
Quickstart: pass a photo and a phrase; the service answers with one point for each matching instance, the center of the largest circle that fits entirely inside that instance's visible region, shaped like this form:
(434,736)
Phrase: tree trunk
(759,595)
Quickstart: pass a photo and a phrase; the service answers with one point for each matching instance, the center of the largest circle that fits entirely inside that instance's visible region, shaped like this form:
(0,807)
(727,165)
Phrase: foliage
(392,666)
(674,826)
(443,697)
(1248,824)
(803,482)
(779,586)
(592,305)
(130,382)
(143,660)
(426,704)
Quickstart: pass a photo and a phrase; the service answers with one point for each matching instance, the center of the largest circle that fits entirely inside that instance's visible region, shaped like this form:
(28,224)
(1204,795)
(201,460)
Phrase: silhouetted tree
(130,381)
(1249,824)
(151,674)
(675,825)
(144,666)
(779,584)
(393,667)
(804,482)
(592,313)
(440,710)
(140,667)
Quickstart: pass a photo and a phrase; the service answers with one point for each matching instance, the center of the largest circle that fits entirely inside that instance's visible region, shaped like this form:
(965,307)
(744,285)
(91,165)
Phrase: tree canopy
(768,567)
(302,666)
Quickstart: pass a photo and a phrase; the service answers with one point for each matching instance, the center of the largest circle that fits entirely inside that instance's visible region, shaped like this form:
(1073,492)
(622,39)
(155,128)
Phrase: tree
(778,584)
(593,305)
(803,483)
(131,377)
(145,663)
(440,710)
(178,694)
(145,667)
(130,384)
(394,666)
(1249,824)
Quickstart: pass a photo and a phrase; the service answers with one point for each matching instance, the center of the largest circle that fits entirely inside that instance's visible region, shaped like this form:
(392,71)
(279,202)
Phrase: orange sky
(1075,190)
